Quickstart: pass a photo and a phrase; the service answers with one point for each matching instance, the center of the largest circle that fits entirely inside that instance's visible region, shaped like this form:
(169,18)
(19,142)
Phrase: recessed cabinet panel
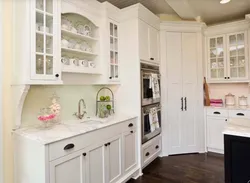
(129,150)
(144,40)
(154,44)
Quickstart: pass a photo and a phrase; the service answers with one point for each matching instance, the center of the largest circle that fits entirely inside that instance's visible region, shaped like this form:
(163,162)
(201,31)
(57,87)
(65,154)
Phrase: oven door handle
(181,103)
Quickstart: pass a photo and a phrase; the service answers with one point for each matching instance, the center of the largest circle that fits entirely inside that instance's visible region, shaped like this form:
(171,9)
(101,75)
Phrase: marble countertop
(229,107)
(69,129)
(237,130)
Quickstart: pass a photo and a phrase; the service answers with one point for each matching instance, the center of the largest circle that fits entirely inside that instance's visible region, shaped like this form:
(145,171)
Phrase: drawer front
(128,125)
(217,112)
(239,114)
(152,149)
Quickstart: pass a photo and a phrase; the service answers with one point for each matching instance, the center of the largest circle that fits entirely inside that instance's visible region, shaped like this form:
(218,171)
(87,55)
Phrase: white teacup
(83,63)
(65,43)
(73,61)
(91,64)
(77,46)
(65,27)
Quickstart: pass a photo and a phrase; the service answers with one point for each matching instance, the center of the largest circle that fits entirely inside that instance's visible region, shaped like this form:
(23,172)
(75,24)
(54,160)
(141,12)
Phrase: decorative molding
(182,26)
(19,93)
(248,17)
(225,28)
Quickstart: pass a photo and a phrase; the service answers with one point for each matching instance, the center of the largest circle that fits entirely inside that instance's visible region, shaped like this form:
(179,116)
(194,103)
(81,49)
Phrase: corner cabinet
(227,58)
(37,59)
(114,51)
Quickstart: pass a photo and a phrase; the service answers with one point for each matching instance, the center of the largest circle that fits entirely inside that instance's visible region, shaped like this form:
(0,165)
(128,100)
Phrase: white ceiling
(210,11)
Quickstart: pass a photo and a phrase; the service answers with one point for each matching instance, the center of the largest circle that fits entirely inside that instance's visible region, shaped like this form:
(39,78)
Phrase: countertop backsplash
(218,91)
(39,97)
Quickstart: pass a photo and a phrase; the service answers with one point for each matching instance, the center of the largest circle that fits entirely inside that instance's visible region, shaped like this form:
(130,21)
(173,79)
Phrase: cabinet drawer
(128,125)
(239,114)
(217,112)
(151,150)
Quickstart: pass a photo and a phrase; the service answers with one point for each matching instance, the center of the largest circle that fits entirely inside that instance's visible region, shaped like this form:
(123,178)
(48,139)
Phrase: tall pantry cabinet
(181,46)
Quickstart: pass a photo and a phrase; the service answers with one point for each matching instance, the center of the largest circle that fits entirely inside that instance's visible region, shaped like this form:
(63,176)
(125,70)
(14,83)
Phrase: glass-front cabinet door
(44,54)
(114,53)
(238,64)
(216,58)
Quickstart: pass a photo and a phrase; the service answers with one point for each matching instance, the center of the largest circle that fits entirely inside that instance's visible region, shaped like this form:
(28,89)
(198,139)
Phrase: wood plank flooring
(194,168)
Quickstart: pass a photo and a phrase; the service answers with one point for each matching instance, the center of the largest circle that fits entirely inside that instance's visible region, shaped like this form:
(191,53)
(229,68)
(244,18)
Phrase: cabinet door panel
(96,164)
(68,169)
(144,40)
(215,127)
(129,140)
(154,44)
(114,159)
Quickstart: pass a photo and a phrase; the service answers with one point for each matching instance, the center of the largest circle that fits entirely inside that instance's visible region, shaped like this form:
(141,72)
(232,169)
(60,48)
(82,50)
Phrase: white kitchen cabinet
(113,51)
(227,52)
(71,168)
(215,127)
(36,58)
(96,163)
(95,157)
(114,159)
(129,149)
(148,43)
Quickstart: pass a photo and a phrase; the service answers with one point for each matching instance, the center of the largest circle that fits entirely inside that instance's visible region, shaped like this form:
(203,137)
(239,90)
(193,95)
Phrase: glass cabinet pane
(212,43)
(241,60)
(39,22)
(49,44)
(234,72)
(116,57)
(112,60)
(49,65)
(232,50)
(39,5)
(115,44)
(115,31)
(49,24)
(242,72)
(49,6)
(232,39)
(111,29)
(214,73)
(39,43)
(39,64)
(213,52)
(240,39)
(241,50)
(116,71)
(112,71)
(220,42)
(111,43)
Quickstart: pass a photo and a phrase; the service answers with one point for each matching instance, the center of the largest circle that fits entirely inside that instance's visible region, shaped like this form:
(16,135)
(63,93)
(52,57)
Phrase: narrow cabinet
(129,150)
(143,41)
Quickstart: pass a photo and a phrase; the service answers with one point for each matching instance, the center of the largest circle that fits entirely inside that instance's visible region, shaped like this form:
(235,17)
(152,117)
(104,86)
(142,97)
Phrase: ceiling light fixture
(224,1)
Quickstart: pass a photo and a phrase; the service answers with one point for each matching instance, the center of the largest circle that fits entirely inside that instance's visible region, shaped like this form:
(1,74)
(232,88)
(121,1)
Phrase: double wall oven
(148,101)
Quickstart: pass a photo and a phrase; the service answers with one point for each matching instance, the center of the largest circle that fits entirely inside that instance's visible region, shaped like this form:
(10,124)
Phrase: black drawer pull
(84,154)
(106,144)
(216,112)
(240,114)
(131,131)
(157,147)
(69,146)
(147,154)
(109,144)
(152,59)
(130,125)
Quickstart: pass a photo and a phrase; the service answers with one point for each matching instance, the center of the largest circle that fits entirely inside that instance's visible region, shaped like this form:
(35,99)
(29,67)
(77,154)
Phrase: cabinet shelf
(69,50)
(78,36)
(80,70)
(46,34)
(43,12)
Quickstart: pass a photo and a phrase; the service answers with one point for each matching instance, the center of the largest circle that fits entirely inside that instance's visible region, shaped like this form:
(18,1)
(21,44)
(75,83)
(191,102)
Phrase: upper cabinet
(36,59)
(148,42)
(227,54)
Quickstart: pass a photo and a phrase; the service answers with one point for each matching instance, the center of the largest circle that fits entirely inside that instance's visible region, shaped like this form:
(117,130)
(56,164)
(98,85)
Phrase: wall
(1,80)
(220,90)
(39,97)
(7,113)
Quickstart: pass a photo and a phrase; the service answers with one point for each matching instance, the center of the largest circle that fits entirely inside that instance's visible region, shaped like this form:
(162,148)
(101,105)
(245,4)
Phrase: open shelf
(69,50)
(78,36)
(79,69)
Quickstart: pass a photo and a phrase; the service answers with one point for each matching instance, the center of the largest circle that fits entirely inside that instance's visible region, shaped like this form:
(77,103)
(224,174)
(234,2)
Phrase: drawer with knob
(239,114)
(151,150)
(217,112)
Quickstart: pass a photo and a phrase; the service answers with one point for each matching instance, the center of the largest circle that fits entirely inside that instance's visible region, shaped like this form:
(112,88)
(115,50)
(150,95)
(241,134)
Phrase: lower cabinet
(215,127)
(108,155)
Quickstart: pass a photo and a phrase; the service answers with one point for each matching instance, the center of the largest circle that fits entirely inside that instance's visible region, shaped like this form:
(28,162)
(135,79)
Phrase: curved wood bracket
(19,93)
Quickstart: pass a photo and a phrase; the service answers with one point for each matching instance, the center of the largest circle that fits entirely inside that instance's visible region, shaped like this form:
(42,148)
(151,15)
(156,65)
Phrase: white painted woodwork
(151,150)
(69,168)
(233,63)
(1,92)
(215,127)
(96,164)
(114,159)
(102,163)
(181,58)
(148,42)
(129,149)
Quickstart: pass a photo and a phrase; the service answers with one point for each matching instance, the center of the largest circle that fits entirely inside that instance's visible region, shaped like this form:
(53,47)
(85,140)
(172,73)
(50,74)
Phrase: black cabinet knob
(110,77)
(131,131)
(225,77)
(225,119)
(157,147)
(130,125)
(152,58)
(109,144)
(228,77)
(84,154)
(147,154)
(69,146)
(57,75)
(106,145)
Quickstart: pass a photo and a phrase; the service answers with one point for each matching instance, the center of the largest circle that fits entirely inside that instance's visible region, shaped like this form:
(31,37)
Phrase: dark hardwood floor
(194,168)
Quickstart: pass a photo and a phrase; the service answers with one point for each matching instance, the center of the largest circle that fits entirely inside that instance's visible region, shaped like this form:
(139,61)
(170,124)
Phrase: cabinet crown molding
(225,28)
(180,26)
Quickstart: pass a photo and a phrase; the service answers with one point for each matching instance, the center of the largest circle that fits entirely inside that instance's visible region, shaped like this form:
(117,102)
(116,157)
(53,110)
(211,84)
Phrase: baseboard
(214,150)
(129,175)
